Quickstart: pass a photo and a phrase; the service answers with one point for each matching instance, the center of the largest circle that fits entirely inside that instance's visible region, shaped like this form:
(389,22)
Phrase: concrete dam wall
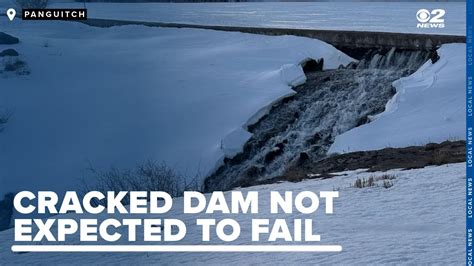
(343,40)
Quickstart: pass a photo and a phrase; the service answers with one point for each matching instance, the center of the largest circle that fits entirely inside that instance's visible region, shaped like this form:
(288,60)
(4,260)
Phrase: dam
(353,43)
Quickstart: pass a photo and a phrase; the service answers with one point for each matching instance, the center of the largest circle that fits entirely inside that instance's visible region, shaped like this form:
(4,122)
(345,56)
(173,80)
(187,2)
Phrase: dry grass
(440,158)
(372,181)
(361,183)
(385,177)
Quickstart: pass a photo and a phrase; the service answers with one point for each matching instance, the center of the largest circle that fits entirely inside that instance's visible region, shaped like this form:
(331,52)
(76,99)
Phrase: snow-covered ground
(418,221)
(365,16)
(122,95)
(429,106)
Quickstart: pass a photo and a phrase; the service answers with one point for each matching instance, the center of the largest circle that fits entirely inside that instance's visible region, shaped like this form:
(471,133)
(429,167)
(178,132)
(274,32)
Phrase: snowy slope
(122,95)
(429,106)
(365,16)
(418,221)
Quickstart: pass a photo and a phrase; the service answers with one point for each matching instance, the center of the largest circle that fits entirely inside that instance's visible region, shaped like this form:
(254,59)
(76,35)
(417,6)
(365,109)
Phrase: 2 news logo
(430,19)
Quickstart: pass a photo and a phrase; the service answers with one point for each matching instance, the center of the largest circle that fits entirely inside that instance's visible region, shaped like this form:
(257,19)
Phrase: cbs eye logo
(435,16)
(430,19)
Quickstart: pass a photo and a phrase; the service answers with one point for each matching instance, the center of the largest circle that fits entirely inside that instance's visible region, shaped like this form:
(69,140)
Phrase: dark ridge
(8,39)
(8,52)
(378,160)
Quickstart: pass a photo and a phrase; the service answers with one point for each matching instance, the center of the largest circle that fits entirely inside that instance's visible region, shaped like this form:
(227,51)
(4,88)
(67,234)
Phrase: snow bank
(122,95)
(232,144)
(366,222)
(429,106)
(293,75)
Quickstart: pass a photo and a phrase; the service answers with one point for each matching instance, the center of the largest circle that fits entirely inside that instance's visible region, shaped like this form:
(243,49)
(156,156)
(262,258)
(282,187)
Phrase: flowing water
(303,127)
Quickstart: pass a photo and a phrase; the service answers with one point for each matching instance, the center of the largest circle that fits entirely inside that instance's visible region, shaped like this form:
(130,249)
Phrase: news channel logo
(430,19)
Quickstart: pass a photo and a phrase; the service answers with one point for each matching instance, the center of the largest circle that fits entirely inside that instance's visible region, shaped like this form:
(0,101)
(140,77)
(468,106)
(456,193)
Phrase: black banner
(54,14)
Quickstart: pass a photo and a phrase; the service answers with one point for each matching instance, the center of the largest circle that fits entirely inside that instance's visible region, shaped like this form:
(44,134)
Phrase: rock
(253,171)
(8,39)
(270,156)
(304,157)
(434,56)
(313,65)
(352,65)
(280,145)
(8,52)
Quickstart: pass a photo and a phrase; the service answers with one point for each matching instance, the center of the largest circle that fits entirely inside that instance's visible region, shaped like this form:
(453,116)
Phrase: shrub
(361,183)
(14,65)
(148,176)
(372,181)
(385,177)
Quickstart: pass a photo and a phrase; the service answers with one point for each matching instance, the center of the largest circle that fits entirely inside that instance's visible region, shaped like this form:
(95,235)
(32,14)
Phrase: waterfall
(300,129)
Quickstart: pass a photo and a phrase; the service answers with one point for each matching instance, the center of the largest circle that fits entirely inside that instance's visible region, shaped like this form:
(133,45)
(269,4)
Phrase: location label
(11,13)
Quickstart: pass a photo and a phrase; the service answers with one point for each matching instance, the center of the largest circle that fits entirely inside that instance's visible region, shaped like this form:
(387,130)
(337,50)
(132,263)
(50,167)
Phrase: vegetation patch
(147,176)
(384,181)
